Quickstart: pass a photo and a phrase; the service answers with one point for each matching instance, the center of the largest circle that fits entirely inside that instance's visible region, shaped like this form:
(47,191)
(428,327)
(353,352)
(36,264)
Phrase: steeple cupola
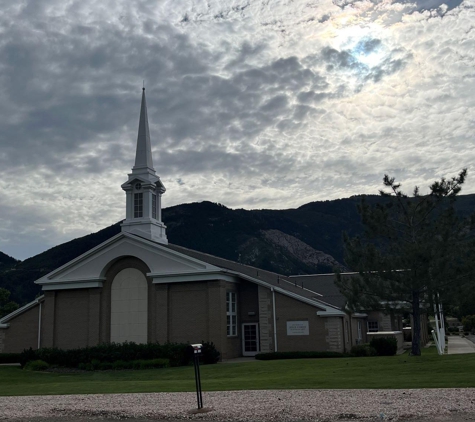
(144,189)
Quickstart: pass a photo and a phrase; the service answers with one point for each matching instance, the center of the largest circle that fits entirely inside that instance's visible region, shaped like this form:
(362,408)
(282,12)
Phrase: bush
(298,355)
(362,350)
(174,353)
(10,357)
(36,365)
(209,353)
(152,364)
(105,366)
(468,323)
(384,346)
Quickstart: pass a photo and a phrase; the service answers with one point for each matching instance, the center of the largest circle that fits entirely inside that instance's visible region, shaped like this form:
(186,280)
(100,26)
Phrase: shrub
(105,366)
(298,355)
(384,346)
(468,323)
(209,353)
(153,363)
(175,353)
(36,365)
(95,364)
(362,350)
(10,357)
(121,364)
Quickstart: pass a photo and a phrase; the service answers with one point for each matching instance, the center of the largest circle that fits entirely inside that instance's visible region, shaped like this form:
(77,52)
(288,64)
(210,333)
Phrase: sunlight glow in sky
(253,104)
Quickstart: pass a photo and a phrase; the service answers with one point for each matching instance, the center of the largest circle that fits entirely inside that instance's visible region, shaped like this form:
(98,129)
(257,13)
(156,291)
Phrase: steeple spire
(144,189)
(143,155)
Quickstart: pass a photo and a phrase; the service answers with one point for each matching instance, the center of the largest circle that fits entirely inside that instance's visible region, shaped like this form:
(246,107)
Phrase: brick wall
(288,310)
(3,332)
(22,332)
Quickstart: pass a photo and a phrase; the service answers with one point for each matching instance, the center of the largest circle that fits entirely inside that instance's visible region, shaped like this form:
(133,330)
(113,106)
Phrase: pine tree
(414,249)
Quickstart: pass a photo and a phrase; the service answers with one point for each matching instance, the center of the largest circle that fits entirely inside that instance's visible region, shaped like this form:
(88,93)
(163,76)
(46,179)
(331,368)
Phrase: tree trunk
(416,321)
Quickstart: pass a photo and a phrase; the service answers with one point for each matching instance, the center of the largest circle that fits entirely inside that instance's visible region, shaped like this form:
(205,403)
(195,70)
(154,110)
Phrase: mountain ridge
(296,241)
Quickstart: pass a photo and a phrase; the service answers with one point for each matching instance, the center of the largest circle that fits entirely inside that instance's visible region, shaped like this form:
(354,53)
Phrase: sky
(252,104)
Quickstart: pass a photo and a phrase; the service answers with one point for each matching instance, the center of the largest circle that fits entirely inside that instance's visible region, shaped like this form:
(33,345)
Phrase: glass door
(250,339)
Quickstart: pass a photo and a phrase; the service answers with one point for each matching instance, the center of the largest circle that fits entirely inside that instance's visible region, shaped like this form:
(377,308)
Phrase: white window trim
(372,330)
(231,328)
(138,204)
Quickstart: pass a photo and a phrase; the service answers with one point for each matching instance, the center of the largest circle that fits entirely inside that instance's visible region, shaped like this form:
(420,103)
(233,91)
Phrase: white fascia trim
(191,276)
(283,291)
(4,325)
(78,259)
(71,281)
(72,285)
(184,259)
(331,313)
(304,288)
(154,246)
(359,315)
(20,310)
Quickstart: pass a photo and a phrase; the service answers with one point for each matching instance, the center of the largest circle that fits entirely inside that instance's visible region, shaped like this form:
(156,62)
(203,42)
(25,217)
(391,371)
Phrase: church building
(138,287)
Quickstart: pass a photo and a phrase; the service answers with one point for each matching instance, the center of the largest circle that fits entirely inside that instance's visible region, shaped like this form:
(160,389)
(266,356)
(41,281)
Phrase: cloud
(251,104)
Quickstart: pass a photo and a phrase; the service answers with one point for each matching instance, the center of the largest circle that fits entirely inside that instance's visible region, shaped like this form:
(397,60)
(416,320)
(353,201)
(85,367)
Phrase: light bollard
(195,350)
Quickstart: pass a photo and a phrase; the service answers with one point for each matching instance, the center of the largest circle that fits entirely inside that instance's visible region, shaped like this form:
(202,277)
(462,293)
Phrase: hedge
(95,365)
(10,357)
(299,355)
(362,350)
(175,353)
(36,365)
(385,346)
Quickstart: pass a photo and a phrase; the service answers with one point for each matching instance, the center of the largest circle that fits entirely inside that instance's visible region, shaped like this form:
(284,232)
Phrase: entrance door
(250,339)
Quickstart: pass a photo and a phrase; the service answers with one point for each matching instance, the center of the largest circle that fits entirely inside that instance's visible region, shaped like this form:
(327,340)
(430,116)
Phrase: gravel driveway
(276,405)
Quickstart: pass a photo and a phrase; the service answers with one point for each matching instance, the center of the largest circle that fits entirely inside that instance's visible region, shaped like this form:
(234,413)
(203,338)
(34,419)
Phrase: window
(154,206)
(360,337)
(231,314)
(138,205)
(373,326)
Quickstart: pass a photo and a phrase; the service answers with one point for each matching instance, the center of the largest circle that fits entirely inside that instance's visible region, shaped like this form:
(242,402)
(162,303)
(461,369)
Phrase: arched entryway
(129,307)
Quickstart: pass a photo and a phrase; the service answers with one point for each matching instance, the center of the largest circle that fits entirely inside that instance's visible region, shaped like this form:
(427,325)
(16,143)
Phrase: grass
(427,371)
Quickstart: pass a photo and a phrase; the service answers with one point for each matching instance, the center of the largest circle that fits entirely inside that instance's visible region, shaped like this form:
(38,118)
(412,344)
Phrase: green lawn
(427,371)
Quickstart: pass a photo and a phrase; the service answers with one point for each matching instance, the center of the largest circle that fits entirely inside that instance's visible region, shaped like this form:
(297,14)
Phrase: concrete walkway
(458,345)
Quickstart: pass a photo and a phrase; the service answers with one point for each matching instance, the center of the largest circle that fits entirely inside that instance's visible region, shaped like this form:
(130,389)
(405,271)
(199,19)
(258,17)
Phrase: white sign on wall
(297,328)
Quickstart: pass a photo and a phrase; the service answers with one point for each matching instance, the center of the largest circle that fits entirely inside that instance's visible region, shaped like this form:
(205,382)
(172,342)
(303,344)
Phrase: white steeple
(144,189)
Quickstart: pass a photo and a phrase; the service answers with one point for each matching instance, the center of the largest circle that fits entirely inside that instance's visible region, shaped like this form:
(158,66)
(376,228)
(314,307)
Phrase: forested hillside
(304,240)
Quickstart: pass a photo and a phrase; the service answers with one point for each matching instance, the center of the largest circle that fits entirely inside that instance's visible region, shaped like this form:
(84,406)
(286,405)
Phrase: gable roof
(88,270)
(173,263)
(325,284)
(278,282)
(4,320)
(71,274)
